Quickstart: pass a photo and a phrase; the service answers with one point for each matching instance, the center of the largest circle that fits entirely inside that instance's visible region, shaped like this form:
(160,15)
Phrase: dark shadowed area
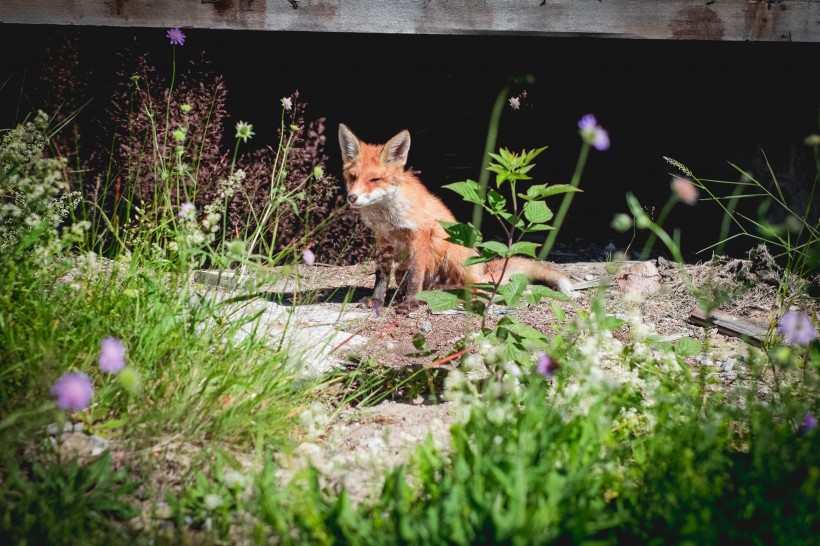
(703,103)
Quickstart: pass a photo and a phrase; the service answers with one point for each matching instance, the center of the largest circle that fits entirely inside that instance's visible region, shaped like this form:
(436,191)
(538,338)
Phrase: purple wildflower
(515,103)
(546,366)
(308,257)
(809,423)
(287,103)
(73,391)
(375,308)
(797,328)
(176,36)
(112,355)
(592,133)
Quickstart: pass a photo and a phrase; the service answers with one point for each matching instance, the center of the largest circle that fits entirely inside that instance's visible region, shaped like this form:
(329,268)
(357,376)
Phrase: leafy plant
(63,502)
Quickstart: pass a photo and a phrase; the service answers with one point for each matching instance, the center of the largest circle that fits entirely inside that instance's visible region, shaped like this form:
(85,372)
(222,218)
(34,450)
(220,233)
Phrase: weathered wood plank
(760,20)
(730,325)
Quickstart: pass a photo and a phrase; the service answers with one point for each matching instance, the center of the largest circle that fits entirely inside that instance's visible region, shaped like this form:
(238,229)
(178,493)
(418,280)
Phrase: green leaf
(495,200)
(438,300)
(419,341)
(462,234)
(495,248)
(533,192)
(538,291)
(536,227)
(524,247)
(686,346)
(470,190)
(511,292)
(477,260)
(556,189)
(537,212)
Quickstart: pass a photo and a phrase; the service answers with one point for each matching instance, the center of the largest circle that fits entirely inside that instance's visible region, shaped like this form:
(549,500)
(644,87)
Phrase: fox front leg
(384,265)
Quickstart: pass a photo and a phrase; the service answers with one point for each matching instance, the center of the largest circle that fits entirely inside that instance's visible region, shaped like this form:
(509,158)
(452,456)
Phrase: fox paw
(408,306)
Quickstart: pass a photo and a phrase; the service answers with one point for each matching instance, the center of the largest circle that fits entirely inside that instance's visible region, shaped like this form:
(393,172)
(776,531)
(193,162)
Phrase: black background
(703,103)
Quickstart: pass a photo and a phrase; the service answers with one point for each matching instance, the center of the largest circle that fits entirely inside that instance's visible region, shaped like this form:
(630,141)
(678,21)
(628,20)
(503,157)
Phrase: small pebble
(52,429)
(426,326)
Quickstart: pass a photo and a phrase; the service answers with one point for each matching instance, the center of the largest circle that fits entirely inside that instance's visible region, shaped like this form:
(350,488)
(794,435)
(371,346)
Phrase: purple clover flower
(592,133)
(112,355)
(809,423)
(73,391)
(546,366)
(176,36)
(796,328)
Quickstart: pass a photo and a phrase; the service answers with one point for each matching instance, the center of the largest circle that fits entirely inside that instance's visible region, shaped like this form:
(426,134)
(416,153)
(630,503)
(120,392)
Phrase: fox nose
(351,198)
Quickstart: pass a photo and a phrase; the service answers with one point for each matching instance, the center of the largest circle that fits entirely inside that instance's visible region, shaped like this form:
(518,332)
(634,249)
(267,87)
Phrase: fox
(405,217)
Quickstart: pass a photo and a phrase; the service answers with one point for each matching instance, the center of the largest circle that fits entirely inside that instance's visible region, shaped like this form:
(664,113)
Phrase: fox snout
(351,198)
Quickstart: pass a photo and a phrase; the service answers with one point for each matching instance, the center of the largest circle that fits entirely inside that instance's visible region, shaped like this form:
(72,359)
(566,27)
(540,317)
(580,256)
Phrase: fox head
(372,172)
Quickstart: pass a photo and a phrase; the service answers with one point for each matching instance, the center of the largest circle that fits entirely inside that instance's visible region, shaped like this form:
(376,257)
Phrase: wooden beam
(759,20)
(730,325)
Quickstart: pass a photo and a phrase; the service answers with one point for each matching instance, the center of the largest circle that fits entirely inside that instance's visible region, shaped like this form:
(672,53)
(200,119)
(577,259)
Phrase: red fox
(404,217)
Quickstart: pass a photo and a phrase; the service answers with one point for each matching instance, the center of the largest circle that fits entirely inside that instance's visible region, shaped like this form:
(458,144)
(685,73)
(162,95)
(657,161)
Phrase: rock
(426,326)
(642,279)
(163,511)
(52,429)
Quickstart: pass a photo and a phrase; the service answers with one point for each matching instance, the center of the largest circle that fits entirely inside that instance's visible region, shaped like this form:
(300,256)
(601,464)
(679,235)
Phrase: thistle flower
(592,133)
(112,355)
(73,391)
(796,328)
(685,190)
(308,257)
(546,366)
(176,36)
(287,103)
(244,131)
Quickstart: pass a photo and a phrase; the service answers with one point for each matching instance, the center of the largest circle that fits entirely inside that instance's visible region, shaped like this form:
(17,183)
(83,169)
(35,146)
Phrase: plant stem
(565,203)
(489,147)
(650,241)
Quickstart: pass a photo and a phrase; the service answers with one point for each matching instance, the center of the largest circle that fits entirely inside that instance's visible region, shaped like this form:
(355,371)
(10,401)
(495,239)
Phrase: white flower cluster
(34,192)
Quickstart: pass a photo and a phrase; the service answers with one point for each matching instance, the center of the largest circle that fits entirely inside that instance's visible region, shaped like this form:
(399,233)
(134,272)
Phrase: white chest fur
(391,213)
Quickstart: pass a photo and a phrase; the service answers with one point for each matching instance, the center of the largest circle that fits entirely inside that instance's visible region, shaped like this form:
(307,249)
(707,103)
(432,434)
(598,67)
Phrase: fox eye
(375,179)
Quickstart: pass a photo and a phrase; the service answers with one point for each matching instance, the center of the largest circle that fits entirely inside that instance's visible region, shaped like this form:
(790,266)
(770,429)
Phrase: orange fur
(405,216)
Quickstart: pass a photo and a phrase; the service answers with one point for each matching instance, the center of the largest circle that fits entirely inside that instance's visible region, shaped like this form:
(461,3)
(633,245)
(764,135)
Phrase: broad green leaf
(511,292)
(538,291)
(524,247)
(686,346)
(536,227)
(537,212)
(477,260)
(470,190)
(533,192)
(556,189)
(462,234)
(438,300)
(496,248)
(495,200)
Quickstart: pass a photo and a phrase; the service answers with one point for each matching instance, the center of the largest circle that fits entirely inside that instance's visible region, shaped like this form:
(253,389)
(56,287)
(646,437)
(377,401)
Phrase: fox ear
(397,148)
(349,144)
